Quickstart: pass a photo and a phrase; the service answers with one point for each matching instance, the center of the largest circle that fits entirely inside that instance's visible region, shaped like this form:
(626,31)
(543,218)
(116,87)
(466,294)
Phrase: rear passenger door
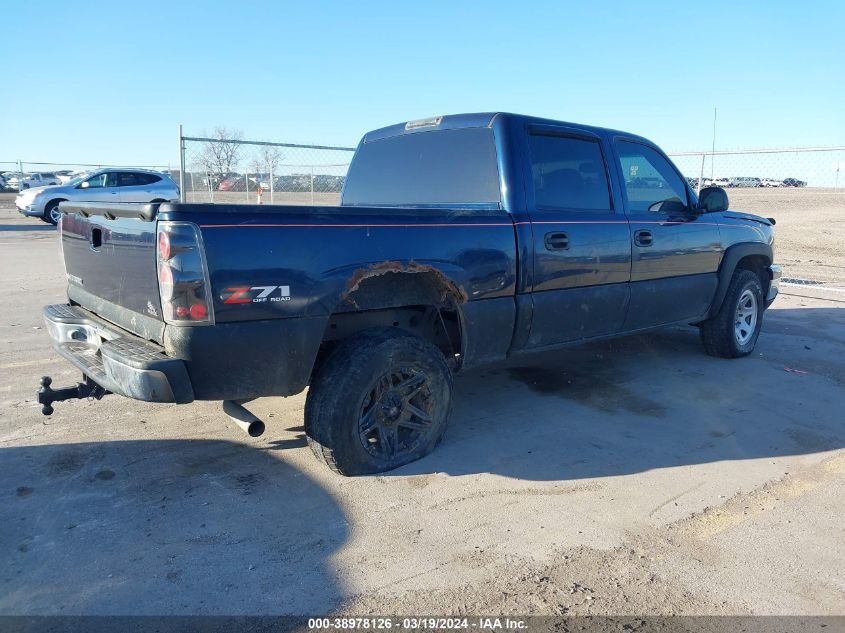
(582,245)
(133,187)
(676,249)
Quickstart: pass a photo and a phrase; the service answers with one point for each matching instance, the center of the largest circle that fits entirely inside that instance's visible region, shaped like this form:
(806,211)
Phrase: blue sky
(109,81)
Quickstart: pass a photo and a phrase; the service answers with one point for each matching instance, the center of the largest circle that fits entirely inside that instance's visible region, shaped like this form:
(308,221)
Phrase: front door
(100,188)
(582,245)
(676,250)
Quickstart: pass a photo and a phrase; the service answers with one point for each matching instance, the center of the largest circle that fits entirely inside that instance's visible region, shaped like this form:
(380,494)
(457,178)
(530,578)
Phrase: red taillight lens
(198,311)
(164,245)
(183,281)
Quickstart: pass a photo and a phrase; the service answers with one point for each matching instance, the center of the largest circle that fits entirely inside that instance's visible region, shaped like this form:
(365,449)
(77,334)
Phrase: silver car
(114,184)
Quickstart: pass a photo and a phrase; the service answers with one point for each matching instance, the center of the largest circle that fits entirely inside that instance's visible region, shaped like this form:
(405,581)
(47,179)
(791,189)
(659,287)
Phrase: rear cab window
(450,167)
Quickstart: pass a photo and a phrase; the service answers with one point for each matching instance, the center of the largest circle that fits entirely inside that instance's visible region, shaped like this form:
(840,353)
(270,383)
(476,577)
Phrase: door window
(146,179)
(651,183)
(568,173)
(126,179)
(97,181)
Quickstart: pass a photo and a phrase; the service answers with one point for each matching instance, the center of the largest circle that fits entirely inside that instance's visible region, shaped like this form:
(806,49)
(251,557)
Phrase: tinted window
(651,183)
(438,167)
(146,179)
(568,173)
(126,179)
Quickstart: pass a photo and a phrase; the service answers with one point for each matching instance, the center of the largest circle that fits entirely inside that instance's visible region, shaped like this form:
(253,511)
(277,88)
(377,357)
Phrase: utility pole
(713,147)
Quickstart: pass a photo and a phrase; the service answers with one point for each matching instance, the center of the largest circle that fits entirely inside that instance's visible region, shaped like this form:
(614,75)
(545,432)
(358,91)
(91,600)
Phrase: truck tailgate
(111,269)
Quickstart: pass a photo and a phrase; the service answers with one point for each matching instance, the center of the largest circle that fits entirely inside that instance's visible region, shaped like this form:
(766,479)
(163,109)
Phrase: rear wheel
(733,331)
(380,400)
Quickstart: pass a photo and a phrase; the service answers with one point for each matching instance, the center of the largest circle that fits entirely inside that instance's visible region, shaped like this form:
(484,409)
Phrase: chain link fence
(231,170)
(792,167)
(803,189)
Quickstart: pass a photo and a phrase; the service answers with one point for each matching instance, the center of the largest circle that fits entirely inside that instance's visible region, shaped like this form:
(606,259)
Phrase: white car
(37,179)
(771,182)
(66,175)
(119,184)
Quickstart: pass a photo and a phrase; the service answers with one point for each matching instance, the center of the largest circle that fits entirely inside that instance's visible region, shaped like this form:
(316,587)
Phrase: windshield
(78,179)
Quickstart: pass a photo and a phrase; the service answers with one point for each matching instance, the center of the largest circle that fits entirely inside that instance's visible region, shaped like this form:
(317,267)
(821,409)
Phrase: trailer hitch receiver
(86,389)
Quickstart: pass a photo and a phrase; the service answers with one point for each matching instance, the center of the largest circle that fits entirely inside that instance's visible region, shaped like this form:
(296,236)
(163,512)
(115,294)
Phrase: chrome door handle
(643,238)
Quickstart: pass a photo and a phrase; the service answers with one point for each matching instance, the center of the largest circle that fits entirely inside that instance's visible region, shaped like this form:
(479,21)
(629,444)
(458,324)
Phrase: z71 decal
(255,294)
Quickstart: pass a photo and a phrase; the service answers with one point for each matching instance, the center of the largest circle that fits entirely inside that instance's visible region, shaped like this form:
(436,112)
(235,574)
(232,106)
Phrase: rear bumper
(226,361)
(115,359)
(774,283)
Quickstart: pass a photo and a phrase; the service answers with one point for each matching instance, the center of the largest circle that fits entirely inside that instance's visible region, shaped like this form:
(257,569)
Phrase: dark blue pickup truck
(460,240)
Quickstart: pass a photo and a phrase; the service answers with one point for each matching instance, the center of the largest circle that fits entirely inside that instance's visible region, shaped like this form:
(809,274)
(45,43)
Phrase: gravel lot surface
(638,476)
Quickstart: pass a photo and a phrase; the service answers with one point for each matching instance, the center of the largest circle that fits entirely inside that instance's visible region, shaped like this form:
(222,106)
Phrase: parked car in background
(793,182)
(66,175)
(722,182)
(36,179)
(746,181)
(104,185)
(212,180)
(771,182)
(2,183)
(39,179)
(647,182)
(237,183)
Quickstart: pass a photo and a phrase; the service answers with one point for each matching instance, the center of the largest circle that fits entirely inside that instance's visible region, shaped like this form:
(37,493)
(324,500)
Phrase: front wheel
(733,331)
(380,400)
(52,213)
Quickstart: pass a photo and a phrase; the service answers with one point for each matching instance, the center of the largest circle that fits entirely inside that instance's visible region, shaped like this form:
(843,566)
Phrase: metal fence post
(181,165)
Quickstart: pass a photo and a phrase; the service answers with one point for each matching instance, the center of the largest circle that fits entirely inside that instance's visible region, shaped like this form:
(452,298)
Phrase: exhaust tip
(243,418)
(256,429)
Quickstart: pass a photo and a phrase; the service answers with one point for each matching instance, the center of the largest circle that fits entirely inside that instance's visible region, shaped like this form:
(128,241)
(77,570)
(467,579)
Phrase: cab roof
(482,119)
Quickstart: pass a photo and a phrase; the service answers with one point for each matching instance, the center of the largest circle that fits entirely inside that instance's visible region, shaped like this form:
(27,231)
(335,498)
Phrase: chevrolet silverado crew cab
(459,241)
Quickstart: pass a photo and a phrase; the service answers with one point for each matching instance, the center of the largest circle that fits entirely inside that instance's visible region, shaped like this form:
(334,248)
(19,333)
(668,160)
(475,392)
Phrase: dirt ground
(632,477)
(810,230)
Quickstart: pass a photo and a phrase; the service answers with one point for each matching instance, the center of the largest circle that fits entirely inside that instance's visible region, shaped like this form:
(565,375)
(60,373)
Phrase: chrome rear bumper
(118,361)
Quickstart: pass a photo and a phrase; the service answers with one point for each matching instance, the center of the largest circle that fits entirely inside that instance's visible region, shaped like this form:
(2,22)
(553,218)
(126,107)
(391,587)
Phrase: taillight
(183,282)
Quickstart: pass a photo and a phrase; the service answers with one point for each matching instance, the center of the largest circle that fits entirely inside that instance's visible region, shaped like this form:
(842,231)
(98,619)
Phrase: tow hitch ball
(47,396)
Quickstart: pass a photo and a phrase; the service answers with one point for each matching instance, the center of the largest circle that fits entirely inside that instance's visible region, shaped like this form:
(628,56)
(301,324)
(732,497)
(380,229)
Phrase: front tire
(734,330)
(52,213)
(380,400)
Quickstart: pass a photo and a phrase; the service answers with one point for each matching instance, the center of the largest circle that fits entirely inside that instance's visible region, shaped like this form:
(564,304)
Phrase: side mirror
(84,185)
(712,199)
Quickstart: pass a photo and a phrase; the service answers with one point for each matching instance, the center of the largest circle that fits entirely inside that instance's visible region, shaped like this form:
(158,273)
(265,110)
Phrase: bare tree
(267,160)
(221,155)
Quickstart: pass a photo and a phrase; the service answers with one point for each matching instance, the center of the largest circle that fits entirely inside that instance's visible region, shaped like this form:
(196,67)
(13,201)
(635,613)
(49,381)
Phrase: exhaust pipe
(243,418)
